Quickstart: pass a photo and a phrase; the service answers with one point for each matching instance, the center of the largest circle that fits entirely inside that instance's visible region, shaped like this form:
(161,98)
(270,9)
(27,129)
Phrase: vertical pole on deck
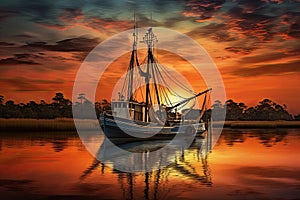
(210,134)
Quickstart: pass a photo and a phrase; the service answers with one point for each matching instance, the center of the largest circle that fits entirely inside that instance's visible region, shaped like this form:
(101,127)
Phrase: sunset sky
(255,44)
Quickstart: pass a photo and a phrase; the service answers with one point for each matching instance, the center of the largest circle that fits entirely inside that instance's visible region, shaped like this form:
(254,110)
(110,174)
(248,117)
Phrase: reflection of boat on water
(153,99)
(191,163)
(135,156)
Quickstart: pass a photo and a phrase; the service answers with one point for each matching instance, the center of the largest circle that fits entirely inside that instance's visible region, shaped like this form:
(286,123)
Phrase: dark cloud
(269,69)
(209,29)
(20,59)
(214,31)
(80,56)
(38,11)
(261,20)
(222,36)
(4,14)
(107,25)
(37,55)
(24,36)
(13,61)
(240,50)
(62,19)
(146,21)
(158,6)
(52,25)
(172,21)
(202,10)
(38,62)
(95,14)
(43,12)
(290,18)
(251,6)
(26,56)
(6,44)
(79,44)
(263,57)
(266,19)
(71,13)
(294,30)
(36,45)
(234,13)
(40,8)
(251,21)
(250,24)
(293,50)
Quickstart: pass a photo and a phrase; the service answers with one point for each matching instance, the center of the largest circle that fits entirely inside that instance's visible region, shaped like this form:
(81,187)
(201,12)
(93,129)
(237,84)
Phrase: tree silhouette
(2,109)
(1,99)
(249,114)
(43,102)
(10,103)
(10,109)
(64,106)
(217,111)
(81,97)
(59,98)
(265,110)
(269,110)
(217,104)
(234,111)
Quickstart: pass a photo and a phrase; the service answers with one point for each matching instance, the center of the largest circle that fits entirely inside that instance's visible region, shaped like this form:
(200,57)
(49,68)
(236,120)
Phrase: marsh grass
(60,124)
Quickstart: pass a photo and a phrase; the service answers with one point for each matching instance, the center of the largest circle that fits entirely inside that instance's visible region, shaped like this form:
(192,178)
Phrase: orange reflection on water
(249,163)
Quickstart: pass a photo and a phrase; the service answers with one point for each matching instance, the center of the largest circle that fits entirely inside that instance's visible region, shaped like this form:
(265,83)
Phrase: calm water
(245,164)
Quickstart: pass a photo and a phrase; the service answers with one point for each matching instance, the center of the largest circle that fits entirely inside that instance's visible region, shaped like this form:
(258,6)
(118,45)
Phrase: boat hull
(119,128)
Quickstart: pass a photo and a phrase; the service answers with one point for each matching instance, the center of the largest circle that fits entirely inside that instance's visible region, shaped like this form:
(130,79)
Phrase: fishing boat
(153,102)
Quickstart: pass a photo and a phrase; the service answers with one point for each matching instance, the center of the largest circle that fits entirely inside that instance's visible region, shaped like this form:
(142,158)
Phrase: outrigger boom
(187,100)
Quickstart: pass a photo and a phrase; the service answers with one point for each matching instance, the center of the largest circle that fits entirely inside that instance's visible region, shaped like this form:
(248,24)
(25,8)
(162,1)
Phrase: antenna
(135,33)
(150,39)
(151,22)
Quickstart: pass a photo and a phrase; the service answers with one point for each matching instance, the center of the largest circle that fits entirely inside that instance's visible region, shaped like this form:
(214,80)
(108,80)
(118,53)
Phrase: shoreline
(59,124)
(67,124)
(260,124)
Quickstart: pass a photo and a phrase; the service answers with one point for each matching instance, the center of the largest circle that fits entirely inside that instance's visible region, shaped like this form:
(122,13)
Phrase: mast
(149,39)
(133,59)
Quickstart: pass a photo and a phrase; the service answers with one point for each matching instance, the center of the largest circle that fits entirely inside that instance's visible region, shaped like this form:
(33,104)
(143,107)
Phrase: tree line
(60,107)
(265,110)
